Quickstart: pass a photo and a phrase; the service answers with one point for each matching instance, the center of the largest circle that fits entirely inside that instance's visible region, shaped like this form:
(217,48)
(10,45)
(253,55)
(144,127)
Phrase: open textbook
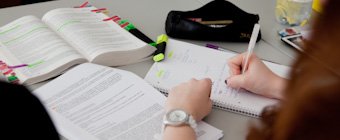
(93,102)
(185,61)
(65,37)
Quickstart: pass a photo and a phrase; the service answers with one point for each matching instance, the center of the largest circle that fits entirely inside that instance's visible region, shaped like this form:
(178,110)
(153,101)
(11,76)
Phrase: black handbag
(218,20)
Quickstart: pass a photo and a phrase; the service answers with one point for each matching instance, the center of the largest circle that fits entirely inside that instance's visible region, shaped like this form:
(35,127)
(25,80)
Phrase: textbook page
(93,102)
(185,61)
(102,42)
(29,41)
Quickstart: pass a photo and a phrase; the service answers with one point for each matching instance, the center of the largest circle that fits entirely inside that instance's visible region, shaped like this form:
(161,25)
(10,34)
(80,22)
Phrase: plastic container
(293,12)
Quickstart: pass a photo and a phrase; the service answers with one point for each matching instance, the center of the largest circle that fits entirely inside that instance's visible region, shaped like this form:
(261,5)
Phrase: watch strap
(191,122)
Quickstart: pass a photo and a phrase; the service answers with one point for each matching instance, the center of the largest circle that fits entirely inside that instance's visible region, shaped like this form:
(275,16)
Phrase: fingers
(235,64)
(208,83)
(192,96)
(205,83)
(236,81)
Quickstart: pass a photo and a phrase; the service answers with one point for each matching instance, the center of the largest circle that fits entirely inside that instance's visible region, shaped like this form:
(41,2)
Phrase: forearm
(277,88)
(179,133)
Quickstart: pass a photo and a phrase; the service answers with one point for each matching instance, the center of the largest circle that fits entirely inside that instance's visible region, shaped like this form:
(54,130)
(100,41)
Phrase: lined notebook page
(185,61)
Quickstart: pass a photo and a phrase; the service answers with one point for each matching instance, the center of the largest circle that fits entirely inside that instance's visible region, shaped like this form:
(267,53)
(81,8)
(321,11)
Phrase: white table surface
(149,16)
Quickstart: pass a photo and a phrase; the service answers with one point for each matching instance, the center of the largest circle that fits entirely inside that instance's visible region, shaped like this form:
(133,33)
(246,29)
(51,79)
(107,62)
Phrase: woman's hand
(257,78)
(193,97)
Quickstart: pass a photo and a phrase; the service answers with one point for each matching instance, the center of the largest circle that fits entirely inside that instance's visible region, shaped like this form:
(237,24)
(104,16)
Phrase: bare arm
(192,97)
(179,133)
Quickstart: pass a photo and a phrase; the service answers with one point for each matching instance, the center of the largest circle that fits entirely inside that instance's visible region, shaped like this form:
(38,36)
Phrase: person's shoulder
(21,111)
(9,91)
(7,87)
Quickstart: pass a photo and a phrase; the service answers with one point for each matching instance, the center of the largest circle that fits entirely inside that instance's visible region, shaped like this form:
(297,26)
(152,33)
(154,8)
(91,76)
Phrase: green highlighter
(159,54)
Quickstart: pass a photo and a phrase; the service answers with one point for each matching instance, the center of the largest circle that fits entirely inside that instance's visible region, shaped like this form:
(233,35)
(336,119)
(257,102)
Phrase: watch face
(177,116)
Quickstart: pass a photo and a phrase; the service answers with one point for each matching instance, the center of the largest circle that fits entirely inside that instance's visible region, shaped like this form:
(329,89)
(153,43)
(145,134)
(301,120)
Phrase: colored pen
(212,46)
(207,22)
(216,47)
(159,54)
(251,46)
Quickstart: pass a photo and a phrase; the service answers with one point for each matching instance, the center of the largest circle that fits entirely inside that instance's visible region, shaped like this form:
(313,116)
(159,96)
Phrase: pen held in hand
(250,50)
(251,46)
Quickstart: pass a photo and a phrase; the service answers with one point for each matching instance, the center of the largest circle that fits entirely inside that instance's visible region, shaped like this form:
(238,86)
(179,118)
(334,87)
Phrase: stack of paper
(93,102)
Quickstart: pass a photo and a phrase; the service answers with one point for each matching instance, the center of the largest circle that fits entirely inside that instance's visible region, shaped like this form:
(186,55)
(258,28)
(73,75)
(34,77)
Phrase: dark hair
(311,109)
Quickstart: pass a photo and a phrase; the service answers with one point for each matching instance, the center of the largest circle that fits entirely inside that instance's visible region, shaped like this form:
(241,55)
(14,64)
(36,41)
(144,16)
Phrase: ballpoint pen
(251,46)
(250,49)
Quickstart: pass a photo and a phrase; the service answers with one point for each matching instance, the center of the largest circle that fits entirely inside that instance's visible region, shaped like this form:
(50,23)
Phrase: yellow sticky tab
(162,38)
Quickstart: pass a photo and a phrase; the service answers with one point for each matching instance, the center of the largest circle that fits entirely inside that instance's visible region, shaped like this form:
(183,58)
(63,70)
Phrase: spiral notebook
(185,61)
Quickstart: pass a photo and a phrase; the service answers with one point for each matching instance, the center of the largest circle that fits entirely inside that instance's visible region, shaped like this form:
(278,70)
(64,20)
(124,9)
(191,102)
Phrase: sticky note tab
(12,78)
(116,19)
(130,26)
(153,44)
(85,4)
(122,21)
(162,38)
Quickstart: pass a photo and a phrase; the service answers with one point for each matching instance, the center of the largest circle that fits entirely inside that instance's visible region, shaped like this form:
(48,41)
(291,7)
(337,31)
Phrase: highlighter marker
(159,54)
(133,30)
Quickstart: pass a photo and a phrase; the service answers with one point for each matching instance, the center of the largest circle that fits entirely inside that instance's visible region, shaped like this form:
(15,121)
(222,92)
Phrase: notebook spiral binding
(220,105)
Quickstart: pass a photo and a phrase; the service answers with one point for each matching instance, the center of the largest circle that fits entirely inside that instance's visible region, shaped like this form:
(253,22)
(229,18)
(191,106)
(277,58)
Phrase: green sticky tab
(130,26)
(158,57)
(162,38)
(153,44)
(122,21)
(12,78)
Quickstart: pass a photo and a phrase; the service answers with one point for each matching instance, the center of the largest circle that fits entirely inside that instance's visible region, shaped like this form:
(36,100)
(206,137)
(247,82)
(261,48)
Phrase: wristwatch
(179,117)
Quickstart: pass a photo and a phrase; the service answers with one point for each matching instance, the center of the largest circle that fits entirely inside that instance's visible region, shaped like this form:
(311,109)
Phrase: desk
(149,16)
